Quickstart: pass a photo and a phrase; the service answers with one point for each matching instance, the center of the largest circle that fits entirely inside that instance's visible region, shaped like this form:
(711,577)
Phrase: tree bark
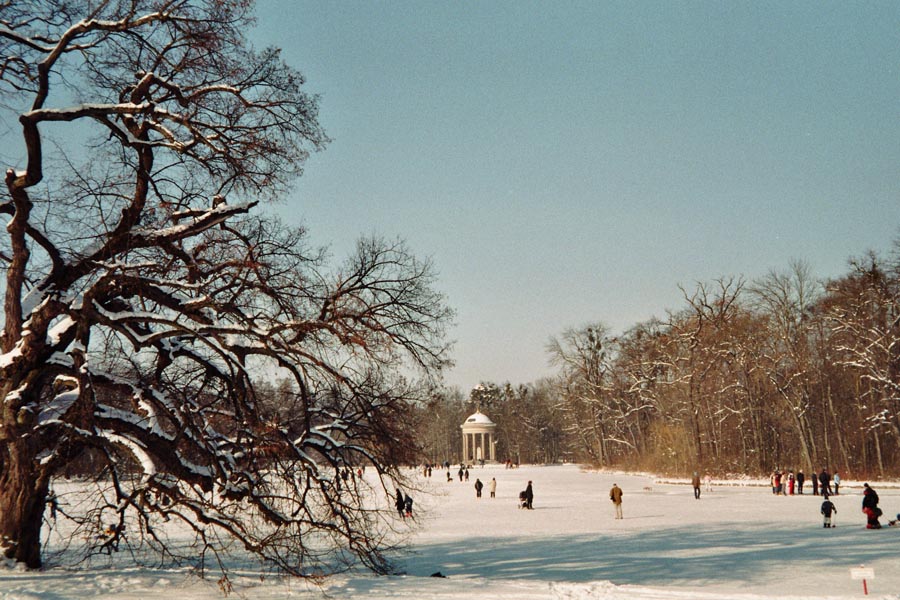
(23,494)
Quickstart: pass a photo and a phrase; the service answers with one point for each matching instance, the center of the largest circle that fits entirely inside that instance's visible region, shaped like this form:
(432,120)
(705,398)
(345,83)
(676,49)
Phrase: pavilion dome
(479,418)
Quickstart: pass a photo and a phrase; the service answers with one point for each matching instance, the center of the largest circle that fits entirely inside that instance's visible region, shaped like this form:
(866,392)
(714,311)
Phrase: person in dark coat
(815,482)
(870,507)
(800,479)
(407,504)
(399,503)
(529,496)
(695,481)
(828,507)
(825,482)
(478,486)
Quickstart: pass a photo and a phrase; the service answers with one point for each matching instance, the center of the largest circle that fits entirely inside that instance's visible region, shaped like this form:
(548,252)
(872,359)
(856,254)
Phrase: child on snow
(828,508)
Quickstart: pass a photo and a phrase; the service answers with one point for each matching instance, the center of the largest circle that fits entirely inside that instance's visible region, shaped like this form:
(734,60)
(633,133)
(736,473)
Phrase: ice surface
(737,541)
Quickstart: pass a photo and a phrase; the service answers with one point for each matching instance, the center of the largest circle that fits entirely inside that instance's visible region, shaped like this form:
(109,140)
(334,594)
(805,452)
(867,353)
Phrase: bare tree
(438,428)
(789,359)
(697,337)
(592,412)
(863,312)
(143,295)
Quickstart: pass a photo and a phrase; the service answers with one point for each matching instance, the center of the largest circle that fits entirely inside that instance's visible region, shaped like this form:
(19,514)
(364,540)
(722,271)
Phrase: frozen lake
(737,541)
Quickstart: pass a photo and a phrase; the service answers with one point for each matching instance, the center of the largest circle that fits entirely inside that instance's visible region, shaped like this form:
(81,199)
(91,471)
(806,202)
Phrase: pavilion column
(478,438)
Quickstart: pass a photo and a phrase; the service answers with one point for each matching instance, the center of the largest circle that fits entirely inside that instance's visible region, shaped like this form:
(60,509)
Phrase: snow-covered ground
(737,541)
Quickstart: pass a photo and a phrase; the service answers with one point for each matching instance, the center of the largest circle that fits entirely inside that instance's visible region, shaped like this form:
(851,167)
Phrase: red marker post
(864,573)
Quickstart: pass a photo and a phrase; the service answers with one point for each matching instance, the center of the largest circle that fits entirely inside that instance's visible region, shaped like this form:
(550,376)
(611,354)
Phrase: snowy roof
(479,417)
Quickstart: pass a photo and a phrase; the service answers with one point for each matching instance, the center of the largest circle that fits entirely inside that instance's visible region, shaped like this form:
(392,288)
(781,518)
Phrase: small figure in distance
(615,494)
(529,496)
(828,508)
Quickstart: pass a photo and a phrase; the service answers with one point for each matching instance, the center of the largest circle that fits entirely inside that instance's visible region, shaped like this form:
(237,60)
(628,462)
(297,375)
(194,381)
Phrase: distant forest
(787,371)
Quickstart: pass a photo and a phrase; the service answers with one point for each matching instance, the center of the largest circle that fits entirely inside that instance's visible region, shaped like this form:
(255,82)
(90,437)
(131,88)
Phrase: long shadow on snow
(671,556)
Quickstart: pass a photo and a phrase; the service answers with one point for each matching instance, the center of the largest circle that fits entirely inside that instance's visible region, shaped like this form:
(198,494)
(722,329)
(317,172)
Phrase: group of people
(695,483)
(782,484)
(787,483)
(869,507)
(492,487)
(403,504)
(526,498)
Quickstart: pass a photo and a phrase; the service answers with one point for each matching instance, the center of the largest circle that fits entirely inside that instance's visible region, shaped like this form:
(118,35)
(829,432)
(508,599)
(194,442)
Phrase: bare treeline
(785,371)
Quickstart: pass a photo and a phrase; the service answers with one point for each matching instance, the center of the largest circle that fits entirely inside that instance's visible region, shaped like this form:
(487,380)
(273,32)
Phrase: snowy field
(738,541)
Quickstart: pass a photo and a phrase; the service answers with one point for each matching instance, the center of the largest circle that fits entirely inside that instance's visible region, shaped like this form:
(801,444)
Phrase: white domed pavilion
(478,438)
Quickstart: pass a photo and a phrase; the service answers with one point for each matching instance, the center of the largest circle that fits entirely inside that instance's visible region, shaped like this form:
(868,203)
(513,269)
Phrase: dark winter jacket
(828,507)
(870,499)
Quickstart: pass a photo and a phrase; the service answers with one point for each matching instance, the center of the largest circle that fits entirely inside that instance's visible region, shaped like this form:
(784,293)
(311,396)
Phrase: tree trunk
(878,456)
(23,494)
(838,431)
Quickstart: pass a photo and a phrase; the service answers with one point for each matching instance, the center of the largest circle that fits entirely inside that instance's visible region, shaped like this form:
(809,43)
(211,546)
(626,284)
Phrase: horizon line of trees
(785,371)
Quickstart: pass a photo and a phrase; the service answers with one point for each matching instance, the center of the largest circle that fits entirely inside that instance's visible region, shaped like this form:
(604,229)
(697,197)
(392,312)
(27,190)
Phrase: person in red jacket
(870,507)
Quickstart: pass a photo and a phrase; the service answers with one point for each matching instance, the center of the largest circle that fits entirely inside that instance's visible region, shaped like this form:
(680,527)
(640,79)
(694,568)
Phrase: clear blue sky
(569,162)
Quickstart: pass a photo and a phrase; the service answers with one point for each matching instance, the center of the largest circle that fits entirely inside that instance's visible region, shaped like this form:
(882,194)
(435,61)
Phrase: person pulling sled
(870,507)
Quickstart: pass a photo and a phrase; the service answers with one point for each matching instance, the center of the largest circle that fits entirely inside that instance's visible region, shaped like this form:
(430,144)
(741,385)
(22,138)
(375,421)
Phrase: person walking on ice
(529,496)
(828,508)
(615,494)
(695,481)
(493,487)
(478,487)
